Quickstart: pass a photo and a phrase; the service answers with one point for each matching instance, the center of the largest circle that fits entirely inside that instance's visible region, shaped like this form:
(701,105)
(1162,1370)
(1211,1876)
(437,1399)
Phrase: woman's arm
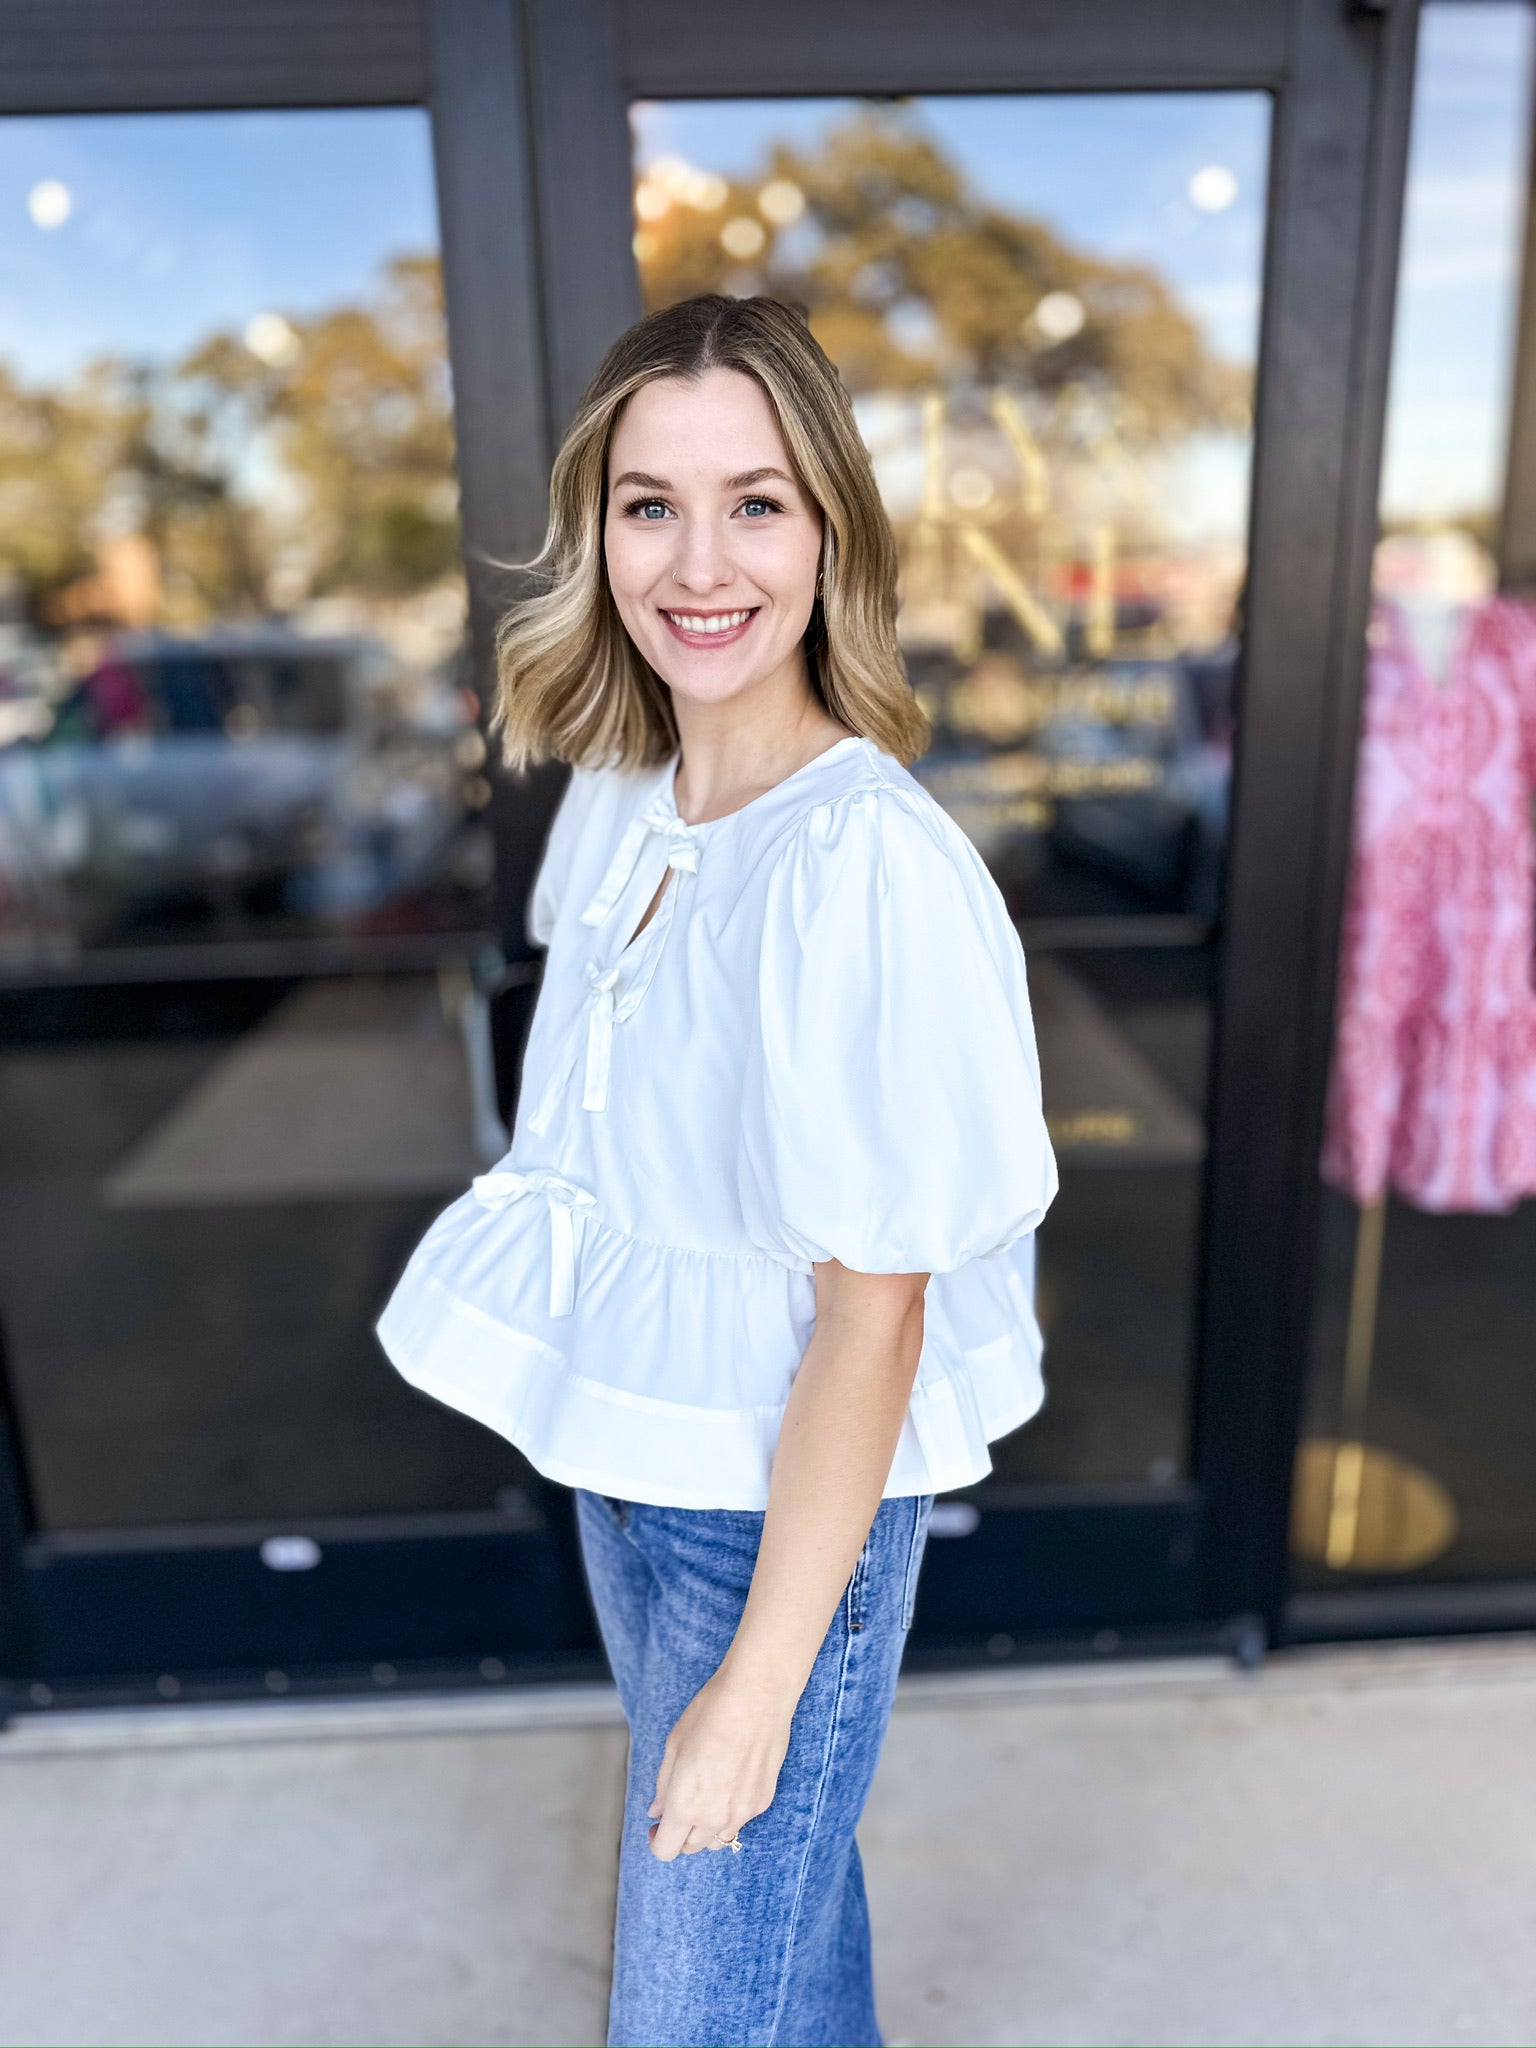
(836,1443)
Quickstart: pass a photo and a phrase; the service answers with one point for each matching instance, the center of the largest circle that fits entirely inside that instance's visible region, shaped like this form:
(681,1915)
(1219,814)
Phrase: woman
(756,1275)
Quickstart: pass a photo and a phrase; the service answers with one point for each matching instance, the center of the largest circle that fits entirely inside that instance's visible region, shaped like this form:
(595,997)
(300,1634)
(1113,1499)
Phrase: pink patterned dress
(1433,1090)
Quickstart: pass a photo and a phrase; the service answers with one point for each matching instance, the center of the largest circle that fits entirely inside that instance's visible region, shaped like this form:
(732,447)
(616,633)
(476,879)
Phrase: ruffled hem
(584,1432)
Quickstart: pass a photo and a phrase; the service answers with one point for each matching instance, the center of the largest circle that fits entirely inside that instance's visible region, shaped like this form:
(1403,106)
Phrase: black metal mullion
(1339,166)
(486,198)
(491,284)
(1378,270)
(689,49)
(146,56)
(581,143)
(18,1517)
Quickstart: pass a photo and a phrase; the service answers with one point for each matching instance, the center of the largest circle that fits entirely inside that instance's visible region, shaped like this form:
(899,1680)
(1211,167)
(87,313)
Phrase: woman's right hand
(720,1767)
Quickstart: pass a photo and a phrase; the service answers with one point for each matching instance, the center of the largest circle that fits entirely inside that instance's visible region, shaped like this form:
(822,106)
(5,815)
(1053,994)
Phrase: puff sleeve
(892,1116)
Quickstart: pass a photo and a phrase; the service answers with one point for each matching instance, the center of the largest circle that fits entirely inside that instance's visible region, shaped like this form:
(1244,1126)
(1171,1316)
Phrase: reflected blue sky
(182,223)
(1110,173)
(1449,394)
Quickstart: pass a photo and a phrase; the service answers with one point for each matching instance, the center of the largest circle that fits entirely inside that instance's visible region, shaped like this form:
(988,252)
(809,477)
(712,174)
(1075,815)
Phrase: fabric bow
(566,1202)
(600,1019)
(602,1014)
(658,819)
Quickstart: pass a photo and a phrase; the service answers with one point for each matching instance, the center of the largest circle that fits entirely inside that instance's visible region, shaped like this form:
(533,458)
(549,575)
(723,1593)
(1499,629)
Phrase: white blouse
(819,1047)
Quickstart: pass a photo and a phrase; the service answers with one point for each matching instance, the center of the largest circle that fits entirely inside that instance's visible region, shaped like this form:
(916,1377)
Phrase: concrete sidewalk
(1340,1848)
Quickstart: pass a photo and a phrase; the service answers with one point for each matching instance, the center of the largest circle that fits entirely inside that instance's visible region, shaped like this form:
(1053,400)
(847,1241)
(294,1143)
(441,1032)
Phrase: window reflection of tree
(910,277)
(292,460)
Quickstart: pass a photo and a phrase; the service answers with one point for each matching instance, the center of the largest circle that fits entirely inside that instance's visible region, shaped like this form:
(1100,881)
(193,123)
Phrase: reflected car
(1164,844)
(252,774)
(1099,788)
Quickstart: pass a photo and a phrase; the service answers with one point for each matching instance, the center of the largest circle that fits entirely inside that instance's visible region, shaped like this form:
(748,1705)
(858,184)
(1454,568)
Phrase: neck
(737,749)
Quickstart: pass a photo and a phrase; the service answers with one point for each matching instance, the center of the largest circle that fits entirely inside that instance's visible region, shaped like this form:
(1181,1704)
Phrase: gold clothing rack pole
(1359,1349)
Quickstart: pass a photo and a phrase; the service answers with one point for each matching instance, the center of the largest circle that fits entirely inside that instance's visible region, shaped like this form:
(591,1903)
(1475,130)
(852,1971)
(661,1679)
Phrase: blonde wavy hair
(572,684)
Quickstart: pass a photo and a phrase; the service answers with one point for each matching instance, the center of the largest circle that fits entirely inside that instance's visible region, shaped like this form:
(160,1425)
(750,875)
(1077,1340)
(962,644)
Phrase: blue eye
(766,504)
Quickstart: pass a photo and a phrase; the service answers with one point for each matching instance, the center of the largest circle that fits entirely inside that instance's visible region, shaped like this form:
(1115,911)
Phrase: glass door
(1414,1505)
(1047,309)
(252,987)
(1094,287)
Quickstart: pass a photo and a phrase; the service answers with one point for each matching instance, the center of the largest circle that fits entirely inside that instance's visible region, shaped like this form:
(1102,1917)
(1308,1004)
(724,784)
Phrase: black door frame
(529,103)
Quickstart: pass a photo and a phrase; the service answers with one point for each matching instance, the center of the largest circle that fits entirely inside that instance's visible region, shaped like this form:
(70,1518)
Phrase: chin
(708,689)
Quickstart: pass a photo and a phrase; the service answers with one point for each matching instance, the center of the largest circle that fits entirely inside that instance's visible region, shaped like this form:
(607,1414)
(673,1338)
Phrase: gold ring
(730,1841)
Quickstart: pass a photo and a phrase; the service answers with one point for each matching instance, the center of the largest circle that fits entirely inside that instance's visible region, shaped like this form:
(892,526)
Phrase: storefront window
(232,702)
(1421,1429)
(1046,310)
(243,857)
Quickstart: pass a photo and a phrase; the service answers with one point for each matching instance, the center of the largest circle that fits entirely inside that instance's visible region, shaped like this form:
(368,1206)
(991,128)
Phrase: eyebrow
(732,483)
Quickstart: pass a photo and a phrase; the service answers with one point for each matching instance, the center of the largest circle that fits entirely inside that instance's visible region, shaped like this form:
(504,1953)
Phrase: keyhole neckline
(651,916)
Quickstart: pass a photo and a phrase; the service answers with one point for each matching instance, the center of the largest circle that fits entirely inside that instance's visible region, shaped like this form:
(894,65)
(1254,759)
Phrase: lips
(710,629)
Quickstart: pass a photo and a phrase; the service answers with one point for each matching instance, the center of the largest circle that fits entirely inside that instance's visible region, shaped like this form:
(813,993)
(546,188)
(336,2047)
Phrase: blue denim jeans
(771,1945)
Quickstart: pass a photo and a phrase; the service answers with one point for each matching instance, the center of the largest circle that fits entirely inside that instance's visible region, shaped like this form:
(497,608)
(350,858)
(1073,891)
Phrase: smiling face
(712,545)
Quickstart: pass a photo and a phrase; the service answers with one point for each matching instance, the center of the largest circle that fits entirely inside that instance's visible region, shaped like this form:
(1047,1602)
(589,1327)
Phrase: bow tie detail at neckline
(614,992)
(660,820)
(566,1202)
